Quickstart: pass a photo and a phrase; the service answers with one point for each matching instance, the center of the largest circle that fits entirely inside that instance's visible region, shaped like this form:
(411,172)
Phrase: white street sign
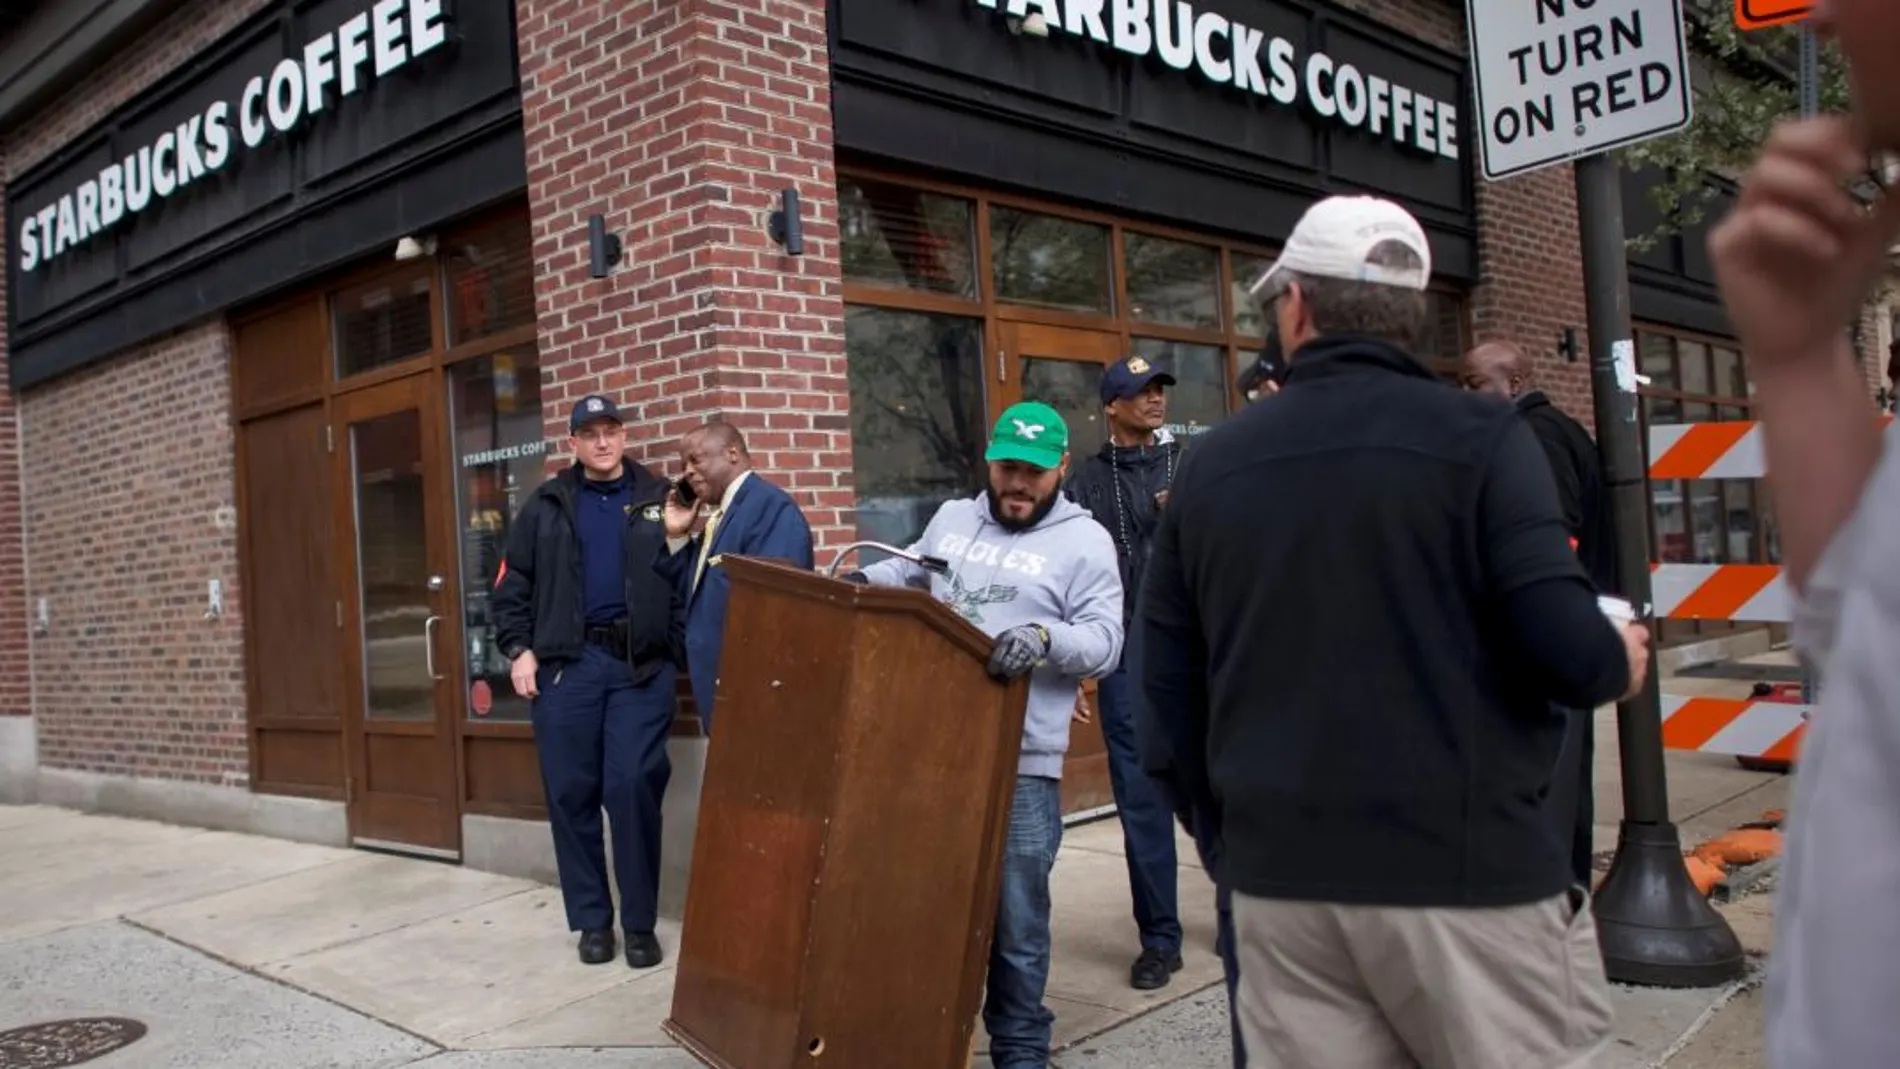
(1557,79)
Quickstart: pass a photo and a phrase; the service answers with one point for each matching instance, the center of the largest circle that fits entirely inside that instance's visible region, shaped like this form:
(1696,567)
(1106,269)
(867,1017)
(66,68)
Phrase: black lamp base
(1655,928)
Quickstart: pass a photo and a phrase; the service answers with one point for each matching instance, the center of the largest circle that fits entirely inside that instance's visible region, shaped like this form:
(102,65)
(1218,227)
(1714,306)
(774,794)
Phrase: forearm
(1577,653)
(1821,443)
(1090,648)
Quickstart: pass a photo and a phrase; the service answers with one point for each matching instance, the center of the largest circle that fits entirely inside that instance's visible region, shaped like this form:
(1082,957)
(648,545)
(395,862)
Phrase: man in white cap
(1360,606)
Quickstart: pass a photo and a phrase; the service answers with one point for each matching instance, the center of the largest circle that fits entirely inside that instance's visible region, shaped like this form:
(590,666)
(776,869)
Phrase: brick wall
(129,478)
(16,680)
(681,123)
(131,679)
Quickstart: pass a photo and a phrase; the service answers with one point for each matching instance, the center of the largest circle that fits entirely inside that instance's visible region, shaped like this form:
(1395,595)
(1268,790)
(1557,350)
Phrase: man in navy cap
(1125,486)
(595,637)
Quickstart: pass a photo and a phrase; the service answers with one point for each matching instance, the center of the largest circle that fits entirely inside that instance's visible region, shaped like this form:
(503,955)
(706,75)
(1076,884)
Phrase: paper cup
(1618,610)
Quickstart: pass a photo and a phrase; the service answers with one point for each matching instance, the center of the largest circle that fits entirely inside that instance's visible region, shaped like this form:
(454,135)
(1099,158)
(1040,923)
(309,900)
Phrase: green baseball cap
(1032,433)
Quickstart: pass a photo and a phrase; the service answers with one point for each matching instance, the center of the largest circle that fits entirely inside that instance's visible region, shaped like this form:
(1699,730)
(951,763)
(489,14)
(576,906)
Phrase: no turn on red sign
(1558,79)
(1760,14)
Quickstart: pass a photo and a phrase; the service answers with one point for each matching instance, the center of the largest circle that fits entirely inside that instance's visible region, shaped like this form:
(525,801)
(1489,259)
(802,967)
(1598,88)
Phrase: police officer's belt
(610,637)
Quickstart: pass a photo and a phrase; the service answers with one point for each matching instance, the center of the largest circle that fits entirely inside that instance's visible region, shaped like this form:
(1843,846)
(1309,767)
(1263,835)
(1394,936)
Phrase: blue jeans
(1020,1026)
(602,744)
(1147,822)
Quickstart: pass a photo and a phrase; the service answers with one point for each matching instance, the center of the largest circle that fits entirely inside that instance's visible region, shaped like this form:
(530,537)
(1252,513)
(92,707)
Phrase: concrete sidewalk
(237,951)
(218,941)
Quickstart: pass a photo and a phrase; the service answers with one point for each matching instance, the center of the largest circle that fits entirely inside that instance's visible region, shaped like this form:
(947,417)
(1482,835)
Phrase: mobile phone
(683,488)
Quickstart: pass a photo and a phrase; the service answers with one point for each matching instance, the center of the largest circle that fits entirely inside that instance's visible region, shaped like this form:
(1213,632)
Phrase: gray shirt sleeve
(1834,977)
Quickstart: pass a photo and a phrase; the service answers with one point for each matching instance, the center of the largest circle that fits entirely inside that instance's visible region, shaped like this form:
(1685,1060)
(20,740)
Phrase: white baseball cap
(1336,236)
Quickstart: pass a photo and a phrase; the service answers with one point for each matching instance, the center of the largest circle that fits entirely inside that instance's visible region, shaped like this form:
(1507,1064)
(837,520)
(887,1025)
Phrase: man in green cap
(1034,571)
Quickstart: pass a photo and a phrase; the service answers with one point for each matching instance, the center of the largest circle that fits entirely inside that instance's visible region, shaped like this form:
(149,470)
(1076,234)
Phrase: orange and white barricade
(1759,730)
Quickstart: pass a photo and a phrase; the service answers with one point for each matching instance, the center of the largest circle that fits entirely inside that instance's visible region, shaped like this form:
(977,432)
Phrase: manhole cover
(60,1043)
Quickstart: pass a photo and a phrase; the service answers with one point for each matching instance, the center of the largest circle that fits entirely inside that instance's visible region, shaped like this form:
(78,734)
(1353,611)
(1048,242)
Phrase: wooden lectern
(851,825)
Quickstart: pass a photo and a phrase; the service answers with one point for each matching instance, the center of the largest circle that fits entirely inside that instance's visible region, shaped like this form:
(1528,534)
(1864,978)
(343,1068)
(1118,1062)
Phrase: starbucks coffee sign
(298,90)
(1202,42)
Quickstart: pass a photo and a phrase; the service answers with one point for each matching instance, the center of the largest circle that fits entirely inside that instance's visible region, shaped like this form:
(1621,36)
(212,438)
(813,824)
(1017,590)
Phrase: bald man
(1503,369)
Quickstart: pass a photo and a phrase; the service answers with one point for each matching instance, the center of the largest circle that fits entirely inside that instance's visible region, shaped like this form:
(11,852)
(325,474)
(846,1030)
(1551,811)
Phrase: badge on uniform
(651,515)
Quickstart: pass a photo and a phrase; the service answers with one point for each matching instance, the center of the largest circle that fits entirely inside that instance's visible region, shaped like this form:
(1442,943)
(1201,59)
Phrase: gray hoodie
(1061,574)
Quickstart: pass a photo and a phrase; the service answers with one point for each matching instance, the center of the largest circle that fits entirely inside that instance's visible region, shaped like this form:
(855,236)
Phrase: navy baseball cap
(1126,378)
(590,408)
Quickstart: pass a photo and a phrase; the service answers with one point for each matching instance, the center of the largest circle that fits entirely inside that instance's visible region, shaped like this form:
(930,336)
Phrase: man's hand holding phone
(682,516)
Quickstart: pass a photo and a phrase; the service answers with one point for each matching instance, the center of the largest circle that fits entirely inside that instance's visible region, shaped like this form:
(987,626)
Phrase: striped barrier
(1729,450)
(1753,593)
(1754,728)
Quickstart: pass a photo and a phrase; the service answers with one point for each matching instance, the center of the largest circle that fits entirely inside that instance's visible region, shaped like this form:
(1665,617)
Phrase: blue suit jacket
(763,521)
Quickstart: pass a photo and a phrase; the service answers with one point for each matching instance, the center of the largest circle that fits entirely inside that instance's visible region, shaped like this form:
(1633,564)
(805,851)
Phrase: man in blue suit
(734,510)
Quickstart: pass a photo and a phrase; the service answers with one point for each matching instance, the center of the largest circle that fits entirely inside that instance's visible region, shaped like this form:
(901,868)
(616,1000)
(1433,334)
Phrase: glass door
(400,607)
(1062,368)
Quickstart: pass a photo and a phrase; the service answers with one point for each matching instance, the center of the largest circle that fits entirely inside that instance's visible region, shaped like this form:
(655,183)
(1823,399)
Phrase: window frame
(994,312)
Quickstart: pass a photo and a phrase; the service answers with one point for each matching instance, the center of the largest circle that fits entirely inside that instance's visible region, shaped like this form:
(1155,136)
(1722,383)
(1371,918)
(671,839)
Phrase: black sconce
(1567,345)
(784,226)
(603,249)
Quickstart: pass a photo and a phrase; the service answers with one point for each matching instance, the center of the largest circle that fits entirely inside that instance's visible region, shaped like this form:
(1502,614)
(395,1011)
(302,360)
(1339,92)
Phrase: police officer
(596,637)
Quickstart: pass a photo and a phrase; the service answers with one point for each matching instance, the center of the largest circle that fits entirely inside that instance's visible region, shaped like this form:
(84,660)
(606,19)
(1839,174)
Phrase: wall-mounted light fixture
(1567,345)
(412,247)
(603,249)
(1031,25)
(784,226)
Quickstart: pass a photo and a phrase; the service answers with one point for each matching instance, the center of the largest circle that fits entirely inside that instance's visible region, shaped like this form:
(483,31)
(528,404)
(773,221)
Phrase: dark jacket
(763,521)
(1580,488)
(1325,630)
(1119,486)
(538,597)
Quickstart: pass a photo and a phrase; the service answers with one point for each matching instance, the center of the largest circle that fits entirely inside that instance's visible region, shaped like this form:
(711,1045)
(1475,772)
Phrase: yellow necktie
(705,545)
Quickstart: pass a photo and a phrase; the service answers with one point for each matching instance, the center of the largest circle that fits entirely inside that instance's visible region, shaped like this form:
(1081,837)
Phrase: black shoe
(597,946)
(1154,969)
(643,950)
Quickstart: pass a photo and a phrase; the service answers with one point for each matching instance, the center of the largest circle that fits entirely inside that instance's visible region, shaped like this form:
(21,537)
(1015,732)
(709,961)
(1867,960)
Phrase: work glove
(1018,651)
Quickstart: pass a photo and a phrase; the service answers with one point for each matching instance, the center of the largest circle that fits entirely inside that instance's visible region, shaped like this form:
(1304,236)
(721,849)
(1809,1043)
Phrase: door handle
(428,646)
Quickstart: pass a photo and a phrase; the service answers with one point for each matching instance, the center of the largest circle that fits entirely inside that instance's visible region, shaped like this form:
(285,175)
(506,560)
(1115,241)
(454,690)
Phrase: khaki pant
(1368,987)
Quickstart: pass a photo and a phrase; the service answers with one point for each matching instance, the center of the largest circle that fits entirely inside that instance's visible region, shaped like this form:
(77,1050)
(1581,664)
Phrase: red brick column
(16,698)
(1530,279)
(680,122)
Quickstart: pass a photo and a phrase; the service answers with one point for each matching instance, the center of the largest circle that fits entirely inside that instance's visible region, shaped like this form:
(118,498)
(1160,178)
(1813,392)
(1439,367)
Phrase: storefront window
(1073,389)
(894,235)
(490,281)
(1173,283)
(1249,320)
(499,451)
(1198,401)
(383,321)
(929,340)
(1444,343)
(918,425)
(1050,262)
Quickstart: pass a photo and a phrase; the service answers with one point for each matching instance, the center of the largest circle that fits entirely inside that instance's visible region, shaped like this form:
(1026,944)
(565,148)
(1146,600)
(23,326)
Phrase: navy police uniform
(579,588)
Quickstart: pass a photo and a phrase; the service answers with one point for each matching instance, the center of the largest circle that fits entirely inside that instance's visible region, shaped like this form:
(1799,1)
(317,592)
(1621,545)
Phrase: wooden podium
(851,825)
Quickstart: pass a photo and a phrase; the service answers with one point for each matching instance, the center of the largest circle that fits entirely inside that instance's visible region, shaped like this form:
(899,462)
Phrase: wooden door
(1062,368)
(401,616)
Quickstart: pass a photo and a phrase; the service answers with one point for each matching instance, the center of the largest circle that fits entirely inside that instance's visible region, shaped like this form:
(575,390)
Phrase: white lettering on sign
(1557,79)
(390,35)
(1233,54)
(508,452)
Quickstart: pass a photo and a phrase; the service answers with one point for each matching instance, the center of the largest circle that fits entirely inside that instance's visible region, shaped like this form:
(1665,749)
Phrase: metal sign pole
(1653,925)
